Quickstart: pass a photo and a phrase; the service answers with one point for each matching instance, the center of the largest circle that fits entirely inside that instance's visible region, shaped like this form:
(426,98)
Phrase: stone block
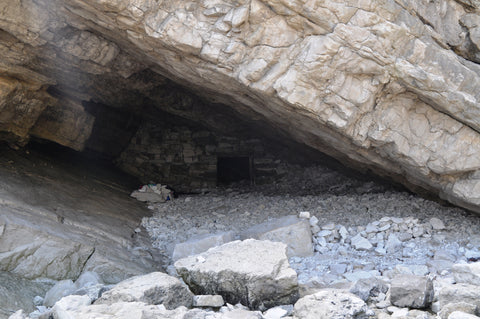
(411,291)
(467,273)
(290,230)
(199,244)
(252,272)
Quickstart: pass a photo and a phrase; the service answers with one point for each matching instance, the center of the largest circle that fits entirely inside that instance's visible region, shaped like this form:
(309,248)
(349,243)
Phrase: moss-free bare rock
(154,288)
(252,272)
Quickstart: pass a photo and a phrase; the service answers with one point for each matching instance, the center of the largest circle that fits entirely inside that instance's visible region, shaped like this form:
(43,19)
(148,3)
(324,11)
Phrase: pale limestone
(391,85)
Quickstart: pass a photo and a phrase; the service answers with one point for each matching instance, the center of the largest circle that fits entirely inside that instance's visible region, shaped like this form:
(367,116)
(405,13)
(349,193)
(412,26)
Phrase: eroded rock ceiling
(391,85)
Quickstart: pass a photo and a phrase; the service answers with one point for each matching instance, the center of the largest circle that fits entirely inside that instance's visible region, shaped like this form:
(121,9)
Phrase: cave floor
(85,199)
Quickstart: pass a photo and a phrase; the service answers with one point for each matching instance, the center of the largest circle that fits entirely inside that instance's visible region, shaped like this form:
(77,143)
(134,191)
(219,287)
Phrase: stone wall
(185,157)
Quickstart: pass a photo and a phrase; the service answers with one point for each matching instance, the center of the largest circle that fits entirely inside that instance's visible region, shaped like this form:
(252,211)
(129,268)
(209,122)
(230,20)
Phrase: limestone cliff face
(393,85)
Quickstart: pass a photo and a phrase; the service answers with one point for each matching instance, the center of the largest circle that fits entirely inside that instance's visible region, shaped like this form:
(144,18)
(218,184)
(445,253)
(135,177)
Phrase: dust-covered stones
(252,272)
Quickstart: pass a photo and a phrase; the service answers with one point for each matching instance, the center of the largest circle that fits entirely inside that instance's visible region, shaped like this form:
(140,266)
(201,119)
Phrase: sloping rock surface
(390,85)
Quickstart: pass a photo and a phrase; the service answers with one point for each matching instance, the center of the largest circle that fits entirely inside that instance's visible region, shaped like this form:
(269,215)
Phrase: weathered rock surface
(331,303)
(199,244)
(467,273)
(254,273)
(390,85)
(411,291)
(290,230)
(155,288)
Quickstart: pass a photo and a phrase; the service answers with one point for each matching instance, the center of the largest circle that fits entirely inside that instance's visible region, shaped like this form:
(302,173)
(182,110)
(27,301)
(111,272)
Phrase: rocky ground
(365,234)
(370,208)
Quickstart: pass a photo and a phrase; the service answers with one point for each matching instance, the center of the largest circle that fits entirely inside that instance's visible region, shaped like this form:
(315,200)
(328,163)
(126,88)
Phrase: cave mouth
(231,169)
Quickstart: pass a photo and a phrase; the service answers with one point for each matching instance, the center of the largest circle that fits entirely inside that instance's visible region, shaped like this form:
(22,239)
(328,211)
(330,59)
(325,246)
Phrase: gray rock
(411,291)
(393,244)
(236,272)
(366,288)
(76,307)
(278,312)
(331,304)
(436,224)
(446,293)
(61,289)
(360,274)
(215,301)
(361,243)
(338,269)
(290,230)
(467,273)
(19,315)
(457,306)
(241,314)
(199,244)
(154,288)
(462,315)
(88,278)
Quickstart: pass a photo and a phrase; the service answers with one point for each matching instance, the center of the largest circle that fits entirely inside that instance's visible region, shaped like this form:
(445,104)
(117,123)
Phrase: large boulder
(447,293)
(411,291)
(155,288)
(252,272)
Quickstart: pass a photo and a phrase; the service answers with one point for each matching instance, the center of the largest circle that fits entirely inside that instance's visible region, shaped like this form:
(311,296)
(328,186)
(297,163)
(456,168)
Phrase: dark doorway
(233,169)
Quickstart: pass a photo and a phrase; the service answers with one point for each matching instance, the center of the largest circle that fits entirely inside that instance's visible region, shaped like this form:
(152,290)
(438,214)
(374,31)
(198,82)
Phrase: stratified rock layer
(387,84)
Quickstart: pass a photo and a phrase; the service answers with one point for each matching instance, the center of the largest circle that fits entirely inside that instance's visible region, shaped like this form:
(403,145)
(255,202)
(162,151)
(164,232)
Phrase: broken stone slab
(467,273)
(446,293)
(252,272)
(214,301)
(199,244)
(411,291)
(293,231)
(154,288)
(331,303)
(457,306)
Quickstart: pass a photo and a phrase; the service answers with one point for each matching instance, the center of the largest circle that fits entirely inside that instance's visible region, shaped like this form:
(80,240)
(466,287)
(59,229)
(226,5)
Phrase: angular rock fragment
(457,306)
(411,291)
(290,230)
(467,273)
(208,301)
(331,304)
(446,293)
(154,288)
(252,272)
(200,244)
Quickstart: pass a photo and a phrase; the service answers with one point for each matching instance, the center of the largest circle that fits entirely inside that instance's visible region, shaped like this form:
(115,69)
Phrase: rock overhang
(383,85)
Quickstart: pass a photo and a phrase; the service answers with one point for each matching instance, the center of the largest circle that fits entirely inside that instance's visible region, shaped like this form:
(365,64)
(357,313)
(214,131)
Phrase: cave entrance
(231,169)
